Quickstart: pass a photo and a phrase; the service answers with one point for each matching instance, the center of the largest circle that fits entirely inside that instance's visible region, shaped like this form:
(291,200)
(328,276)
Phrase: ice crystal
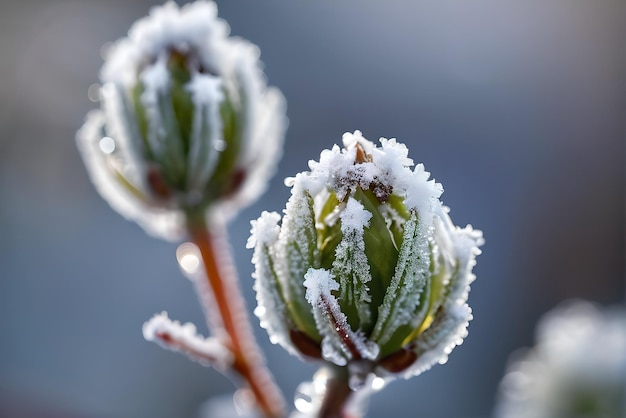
(340,343)
(351,265)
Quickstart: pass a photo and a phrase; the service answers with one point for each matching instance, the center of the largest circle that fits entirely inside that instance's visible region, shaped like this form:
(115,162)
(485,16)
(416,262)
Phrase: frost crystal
(270,306)
(366,270)
(176,337)
(351,264)
(340,343)
(192,125)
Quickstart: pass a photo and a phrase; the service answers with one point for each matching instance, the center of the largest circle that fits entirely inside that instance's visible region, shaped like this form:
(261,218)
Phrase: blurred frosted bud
(187,123)
(577,368)
(366,269)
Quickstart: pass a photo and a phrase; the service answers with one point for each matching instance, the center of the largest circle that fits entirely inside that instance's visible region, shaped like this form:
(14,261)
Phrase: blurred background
(518,108)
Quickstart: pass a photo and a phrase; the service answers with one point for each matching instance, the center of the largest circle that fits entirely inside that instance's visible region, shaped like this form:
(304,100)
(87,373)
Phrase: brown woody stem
(336,395)
(222,279)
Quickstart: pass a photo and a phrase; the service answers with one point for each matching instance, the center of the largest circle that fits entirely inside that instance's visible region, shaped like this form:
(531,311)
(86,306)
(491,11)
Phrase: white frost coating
(436,343)
(206,89)
(423,194)
(220,67)
(424,305)
(156,81)
(270,305)
(160,114)
(194,27)
(282,255)
(297,245)
(390,166)
(264,230)
(206,137)
(459,247)
(318,283)
(175,336)
(354,218)
(351,264)
(580,354)
(340,343)
(119,125)
(103,171)
(406,287)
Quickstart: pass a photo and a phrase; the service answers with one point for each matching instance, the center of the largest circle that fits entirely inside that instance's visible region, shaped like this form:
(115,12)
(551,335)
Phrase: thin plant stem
(336,395)
(222,278)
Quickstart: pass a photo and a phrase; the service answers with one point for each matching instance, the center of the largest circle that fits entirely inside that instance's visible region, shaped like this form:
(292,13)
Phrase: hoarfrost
(297,249)
(351,264)
(119,125)
(264,230)
(340,343)
(155,80)
(192,27)
(207,131)
(354,217)
(406,287)
(175,336)
(387,168)
(212,58)
(271,309)
(435,344)
(459,246)
(206,89)
(163,133)
(131,200)
(429,305)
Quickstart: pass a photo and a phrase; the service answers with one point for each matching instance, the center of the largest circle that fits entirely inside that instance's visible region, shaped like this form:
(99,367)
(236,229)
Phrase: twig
(183,338)
(222,279)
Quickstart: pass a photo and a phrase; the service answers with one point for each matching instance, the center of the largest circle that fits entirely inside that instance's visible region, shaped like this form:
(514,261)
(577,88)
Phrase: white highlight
(93,92)
(188,256)
(378,383)
(107,145)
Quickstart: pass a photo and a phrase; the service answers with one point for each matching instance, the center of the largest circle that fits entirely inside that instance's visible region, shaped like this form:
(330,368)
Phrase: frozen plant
(189,132)
(187,124)
(577,368)
(365,271)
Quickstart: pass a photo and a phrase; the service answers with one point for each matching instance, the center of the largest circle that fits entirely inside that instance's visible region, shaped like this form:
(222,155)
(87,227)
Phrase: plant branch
(222,280)
(184,339)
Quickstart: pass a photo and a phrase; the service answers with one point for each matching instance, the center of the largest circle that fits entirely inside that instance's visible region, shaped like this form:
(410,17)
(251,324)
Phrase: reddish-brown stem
(222,279)
(336,395)
(178,344)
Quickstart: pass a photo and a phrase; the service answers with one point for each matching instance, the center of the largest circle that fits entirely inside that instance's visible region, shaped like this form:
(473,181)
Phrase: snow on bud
(576,369)
(365,269)
(187,122)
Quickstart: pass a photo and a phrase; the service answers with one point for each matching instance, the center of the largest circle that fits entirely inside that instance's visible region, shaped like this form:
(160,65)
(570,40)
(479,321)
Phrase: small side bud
(189,122)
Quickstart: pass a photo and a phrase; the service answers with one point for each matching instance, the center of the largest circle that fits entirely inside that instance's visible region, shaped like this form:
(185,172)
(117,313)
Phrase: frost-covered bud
(366,268)
(577,369)
(187,122)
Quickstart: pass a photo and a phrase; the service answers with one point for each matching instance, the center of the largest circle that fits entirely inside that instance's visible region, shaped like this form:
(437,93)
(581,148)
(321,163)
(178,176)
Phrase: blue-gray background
(517,107)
